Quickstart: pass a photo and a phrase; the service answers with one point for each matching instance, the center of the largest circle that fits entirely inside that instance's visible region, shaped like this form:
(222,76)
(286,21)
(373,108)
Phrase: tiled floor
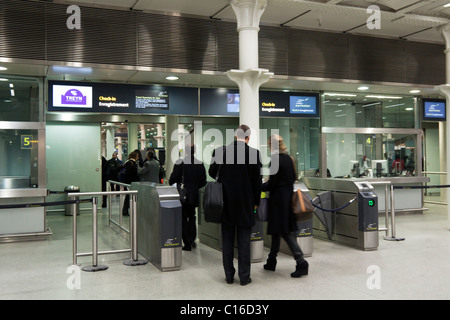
(417,268)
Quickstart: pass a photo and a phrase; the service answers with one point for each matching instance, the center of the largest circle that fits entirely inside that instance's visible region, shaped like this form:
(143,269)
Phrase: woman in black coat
(281,220)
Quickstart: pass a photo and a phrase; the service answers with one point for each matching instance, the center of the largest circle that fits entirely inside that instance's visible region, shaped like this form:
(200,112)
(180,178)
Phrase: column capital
(248,13)
(256,76)
(445,89)
(445,30)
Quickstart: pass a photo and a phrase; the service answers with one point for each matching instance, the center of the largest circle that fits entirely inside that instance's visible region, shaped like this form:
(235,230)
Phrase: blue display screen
(303,105)
(434,110)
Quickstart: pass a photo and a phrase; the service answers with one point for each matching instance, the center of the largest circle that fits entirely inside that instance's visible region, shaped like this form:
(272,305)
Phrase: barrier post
(74,231)
(95,266)
(393,236)
(134,261)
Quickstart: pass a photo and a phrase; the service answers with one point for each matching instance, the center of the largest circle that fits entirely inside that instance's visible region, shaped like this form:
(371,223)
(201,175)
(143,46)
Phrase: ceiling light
(383,97)
(172,78)
(340,94)
(447,5)
(3,68)
(72,70)
(3,79)
(409,109)
(414,91)
(362,88)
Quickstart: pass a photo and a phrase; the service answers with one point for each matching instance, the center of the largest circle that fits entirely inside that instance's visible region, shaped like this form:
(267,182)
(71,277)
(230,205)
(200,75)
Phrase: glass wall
(355,155)
(301,137)
(19,99)
(357,110)
(22,134)
(370,135)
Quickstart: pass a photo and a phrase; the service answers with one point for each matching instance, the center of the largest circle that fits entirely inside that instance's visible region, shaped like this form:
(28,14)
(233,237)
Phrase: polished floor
(416,268)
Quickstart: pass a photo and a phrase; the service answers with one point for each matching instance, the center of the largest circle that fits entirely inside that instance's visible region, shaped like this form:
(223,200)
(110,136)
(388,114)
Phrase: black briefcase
(213,202)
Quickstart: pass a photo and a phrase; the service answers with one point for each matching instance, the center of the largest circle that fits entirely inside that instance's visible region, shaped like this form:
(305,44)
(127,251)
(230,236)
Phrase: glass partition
(357,110)
(19,99)
(18,158)
(301,137)
(371,153)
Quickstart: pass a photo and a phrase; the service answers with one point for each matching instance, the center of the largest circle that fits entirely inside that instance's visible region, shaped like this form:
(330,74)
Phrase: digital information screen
(152,99)
(303,105)
(434,110)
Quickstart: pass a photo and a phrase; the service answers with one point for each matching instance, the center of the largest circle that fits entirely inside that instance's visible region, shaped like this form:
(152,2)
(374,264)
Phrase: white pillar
(159,135)
(445,89)
(120,150)
(249,77)
(143,139)
(110,145)
(172,148)
(132,137)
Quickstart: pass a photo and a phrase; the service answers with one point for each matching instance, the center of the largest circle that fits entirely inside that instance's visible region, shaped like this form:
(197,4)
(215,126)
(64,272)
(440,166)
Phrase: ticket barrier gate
(159,224)
(354,219)
(211,234)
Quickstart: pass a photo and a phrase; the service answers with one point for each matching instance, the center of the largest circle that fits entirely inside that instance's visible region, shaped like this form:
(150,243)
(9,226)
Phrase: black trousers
(188,227)
(291,241)
(243,243)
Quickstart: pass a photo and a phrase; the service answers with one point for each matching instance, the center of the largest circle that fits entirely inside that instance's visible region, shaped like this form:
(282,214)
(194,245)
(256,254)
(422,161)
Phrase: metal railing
(133,231)
(426,173)
(121,203)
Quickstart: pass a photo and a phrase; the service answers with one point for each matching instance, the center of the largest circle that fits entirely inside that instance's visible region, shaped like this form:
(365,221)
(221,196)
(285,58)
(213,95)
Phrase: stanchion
(95,266)
(393,236)
(134,261)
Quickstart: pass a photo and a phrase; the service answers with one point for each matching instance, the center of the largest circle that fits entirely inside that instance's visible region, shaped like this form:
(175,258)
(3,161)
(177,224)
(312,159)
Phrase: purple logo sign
(73,96)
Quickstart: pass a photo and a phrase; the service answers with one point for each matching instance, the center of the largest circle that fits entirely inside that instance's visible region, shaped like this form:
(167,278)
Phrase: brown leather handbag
(302,206)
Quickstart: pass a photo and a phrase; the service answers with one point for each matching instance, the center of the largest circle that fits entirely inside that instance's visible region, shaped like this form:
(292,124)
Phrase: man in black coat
(191,172)
(238,167)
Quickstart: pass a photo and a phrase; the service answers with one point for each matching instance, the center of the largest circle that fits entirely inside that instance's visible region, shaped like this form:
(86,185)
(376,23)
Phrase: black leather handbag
(182,189)
(213,201)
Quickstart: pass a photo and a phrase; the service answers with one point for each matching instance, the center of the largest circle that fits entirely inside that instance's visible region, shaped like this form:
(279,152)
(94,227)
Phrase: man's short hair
(243,132)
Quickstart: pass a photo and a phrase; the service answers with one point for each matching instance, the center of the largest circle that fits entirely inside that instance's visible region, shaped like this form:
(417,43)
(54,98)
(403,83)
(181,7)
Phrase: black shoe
(271,264)
(186,248)
(300,270)
(246,282)
(194,245)
(230,281)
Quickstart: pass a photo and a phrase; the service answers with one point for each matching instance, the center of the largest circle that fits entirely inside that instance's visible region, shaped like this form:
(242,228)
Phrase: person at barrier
(281,220)
(238,167)
(130,175)
(191,172)
(149,171)
(112,170)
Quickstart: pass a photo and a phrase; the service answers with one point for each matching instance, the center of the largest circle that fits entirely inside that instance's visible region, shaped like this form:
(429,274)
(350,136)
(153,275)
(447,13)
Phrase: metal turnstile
(211,234)
(354,224)
(159,224)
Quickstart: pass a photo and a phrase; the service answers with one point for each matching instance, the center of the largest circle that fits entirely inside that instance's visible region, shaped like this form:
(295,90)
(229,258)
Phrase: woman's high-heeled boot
(271,264)
(300,270)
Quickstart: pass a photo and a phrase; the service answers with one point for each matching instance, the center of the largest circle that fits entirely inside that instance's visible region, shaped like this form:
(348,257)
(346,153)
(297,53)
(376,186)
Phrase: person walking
(113,167)
(238,167)
(281,220)
(130,175)
(191,172)
(149,171)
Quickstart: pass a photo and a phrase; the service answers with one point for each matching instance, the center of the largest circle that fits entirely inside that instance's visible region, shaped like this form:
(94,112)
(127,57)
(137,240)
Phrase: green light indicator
(371,203)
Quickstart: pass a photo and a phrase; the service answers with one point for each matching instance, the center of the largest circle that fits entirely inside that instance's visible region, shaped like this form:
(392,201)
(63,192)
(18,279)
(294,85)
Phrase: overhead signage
(67,96)
(224,102)
(121,98)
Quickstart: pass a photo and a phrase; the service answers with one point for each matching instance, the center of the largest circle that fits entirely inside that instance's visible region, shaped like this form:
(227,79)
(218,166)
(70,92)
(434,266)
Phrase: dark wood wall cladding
(105,37)
(37,31)
(318,54)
